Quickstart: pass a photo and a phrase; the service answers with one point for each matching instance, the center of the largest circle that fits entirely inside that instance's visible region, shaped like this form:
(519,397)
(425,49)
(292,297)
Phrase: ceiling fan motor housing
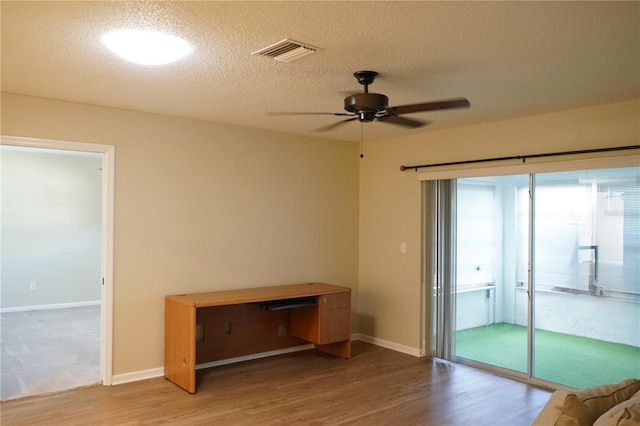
(366,105)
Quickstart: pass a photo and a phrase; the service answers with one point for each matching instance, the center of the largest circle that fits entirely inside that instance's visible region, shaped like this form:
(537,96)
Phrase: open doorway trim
(108,187)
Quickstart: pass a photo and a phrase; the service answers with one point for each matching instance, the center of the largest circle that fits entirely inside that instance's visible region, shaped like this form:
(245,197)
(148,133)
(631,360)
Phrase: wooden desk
(205,327)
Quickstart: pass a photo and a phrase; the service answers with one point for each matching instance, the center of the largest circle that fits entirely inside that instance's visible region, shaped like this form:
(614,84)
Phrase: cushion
(552,410)
(575,413)
(626,413)
(585,406)
(601,398)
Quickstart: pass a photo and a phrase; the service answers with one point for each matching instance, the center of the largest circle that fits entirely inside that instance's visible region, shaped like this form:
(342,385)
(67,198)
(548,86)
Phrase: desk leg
(341,349)
(180,344)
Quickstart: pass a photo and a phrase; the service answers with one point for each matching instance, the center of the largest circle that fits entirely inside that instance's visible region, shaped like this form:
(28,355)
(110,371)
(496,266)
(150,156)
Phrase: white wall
(600,318)
(50,227)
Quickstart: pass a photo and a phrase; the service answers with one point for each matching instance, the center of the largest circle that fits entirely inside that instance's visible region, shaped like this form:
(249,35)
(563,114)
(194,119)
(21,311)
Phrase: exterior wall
(598,318)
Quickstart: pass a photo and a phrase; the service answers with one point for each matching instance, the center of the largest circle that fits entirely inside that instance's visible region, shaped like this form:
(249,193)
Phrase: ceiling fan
(366,107)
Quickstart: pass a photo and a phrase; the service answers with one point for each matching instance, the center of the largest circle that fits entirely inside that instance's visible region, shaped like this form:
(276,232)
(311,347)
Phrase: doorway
(57,264)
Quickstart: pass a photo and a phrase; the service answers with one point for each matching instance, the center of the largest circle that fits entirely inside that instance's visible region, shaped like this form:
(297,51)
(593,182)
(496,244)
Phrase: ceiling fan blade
(334,125)
(309,113)
(429,106)
(402,121)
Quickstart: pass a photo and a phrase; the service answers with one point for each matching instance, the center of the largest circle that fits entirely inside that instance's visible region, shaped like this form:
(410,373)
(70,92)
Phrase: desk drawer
(335,326)
(335,300)
(328,322)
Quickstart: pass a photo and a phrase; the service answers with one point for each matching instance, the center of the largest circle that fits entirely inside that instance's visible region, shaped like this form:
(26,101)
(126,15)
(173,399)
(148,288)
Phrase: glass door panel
(491,302)
(587,277)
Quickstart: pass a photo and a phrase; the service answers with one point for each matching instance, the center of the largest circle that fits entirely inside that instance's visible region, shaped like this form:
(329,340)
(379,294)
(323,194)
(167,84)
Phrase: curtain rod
(522,157)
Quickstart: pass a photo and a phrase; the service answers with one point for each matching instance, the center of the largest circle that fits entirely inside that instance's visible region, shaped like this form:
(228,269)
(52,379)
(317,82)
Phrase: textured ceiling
(509,59)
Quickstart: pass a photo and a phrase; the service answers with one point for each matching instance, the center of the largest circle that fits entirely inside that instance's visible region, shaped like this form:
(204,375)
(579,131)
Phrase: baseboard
(254,356)
(52,306)
(152,373)
(387,344)
(135,376)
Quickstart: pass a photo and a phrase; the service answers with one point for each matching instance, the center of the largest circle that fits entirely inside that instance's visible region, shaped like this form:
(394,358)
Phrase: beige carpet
(48,350)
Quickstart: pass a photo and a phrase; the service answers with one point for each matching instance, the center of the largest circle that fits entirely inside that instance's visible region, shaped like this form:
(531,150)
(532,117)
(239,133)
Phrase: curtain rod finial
(403,168)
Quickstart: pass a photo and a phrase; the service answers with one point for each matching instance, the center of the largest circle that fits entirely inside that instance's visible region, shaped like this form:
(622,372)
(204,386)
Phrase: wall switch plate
(32,285)
(403,247)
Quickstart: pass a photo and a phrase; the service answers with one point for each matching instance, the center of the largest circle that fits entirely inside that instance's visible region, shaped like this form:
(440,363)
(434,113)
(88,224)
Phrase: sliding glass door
(547,274)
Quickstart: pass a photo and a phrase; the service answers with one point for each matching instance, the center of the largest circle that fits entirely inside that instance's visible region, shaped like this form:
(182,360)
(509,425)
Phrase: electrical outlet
(32,285)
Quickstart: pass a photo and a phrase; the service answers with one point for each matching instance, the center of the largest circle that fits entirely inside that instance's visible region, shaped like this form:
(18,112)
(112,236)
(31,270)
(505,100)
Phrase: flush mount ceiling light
(146,47)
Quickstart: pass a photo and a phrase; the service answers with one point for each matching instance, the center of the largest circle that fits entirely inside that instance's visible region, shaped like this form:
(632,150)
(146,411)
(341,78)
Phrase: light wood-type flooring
(375,387)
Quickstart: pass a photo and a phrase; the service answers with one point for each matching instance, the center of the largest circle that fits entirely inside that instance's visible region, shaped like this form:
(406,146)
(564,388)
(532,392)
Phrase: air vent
(286,50)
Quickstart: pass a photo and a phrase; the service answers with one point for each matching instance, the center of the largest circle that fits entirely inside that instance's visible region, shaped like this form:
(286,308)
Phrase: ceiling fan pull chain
(361,131)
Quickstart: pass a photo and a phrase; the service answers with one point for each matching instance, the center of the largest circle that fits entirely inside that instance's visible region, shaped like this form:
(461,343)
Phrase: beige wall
(389,288)
(202,206)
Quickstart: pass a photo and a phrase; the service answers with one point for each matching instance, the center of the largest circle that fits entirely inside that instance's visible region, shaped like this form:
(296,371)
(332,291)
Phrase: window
(587,232)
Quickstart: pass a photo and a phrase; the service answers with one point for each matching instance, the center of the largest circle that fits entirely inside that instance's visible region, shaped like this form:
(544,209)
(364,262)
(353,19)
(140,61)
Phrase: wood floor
(375,387)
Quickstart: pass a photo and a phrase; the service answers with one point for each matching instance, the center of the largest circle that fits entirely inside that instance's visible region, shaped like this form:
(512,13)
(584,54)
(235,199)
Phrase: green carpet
(561,358)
